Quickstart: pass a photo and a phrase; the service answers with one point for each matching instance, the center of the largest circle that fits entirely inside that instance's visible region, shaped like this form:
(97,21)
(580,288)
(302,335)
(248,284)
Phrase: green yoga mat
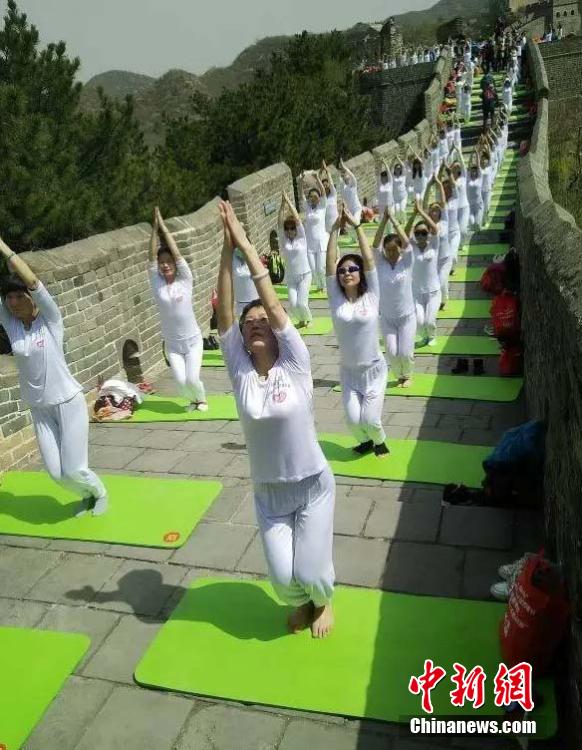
(283,293)
(477,346)
(494,226)
(34,665)
(222,629)
(469,309)
(473,248)
(143,511)
(409,461)
(318,327)
(457,387)
(465,274)
(213,358)
(173,409)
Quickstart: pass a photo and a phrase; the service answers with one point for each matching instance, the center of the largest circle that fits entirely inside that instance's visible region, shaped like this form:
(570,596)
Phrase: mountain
(171,93)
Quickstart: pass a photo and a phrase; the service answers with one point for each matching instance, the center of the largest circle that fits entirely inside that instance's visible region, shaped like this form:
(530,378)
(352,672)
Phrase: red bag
(511,361)
(505,314)
(536,616)
(493,280)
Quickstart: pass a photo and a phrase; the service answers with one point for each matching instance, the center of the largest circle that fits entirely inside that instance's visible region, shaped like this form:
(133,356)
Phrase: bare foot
(323,621)
(300,618)
(406,383)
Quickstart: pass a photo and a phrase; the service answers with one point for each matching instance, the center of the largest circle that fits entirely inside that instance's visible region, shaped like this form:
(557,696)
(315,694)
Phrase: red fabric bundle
(511,361)
(536,616)
(505,315)
(493,280)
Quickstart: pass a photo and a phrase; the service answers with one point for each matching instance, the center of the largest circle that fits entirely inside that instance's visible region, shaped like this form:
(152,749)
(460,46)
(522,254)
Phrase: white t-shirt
(453,213)
(396,298)
(350,195)
(461,181)
(356,323)
(487,177)
(315,223)
(443,148)
(178,322)
(276,413)
(425,276)
(244,287)
(294,252)
(475,191)
(443,235)
(507,96)
(399,187)
(385,195)
(419,184)
(435,157)
(331,211)
(44,376)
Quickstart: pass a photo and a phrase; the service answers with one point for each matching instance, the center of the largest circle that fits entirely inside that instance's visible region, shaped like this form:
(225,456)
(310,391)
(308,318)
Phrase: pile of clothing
(116,401)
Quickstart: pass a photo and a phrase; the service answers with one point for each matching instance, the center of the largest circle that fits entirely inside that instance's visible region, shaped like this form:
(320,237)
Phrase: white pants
(400,209)
(363,392)
(317,266)
(298,288)
(476,216)
(455,243)
(399,336)
(427,307)
(186,372)
(486,202)
(296,525)
(467,113)
(463,218)
(444,268)
(62,432)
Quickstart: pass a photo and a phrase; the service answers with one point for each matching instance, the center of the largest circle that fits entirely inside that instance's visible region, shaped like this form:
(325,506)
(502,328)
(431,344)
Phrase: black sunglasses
(349,269)
(421,233)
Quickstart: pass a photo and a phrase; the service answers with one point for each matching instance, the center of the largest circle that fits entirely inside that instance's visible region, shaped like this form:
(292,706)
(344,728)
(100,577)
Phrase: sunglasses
(421,234)
(349,269)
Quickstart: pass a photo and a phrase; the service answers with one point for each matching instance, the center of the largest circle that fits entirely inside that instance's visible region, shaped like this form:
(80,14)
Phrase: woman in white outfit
(452,207)
(171,281)
(399,189)
(466,104)
(314,208)
(419,179)
(331,211)
(443,144)
(354,299)
(294,488)
(293,245)
(507,95)
(34,327)
(394,261)
(459,171)
(426,285)
(350,192)
(385,189)
(487,182)
(475,195)
(438,213)
(457,137)
(244,286)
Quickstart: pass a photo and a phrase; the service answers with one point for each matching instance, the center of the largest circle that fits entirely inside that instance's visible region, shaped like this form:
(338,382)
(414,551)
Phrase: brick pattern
(551,275)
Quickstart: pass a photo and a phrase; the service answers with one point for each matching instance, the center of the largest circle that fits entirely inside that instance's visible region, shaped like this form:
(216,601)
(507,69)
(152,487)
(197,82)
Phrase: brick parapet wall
(550,247)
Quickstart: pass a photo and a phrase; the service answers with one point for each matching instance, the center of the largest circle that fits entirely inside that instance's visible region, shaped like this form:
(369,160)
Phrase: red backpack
(505,314)
(493,280)
(511,361)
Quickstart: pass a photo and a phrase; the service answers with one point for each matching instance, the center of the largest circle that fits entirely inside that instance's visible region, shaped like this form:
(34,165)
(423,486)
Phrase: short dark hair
(164,249)
(13,283)
(359,261)
(246,310)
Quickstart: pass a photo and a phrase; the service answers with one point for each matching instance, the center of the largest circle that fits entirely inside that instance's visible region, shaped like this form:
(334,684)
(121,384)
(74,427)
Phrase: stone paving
(391,535)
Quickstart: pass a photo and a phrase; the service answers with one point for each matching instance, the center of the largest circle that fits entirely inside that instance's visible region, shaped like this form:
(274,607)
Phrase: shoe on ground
(431,342)
(500,591)
(364,448)
(381,450)
(201,406)
(191,407)
(510,571)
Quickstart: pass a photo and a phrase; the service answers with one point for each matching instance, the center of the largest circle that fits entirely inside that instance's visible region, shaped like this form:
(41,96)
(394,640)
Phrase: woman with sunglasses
(293,244)
(294,488)
(354,299)
(437,211)
(393,254)
(34,326)
(426,285)
(171,283)
(314,207)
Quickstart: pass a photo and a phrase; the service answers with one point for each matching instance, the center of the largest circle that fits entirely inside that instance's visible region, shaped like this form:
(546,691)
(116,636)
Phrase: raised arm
(386,217)
(407,231)
(282,211)
(331,255)
(442,196)
(424,215)
(292,209)
(367,256)
(426,199)
(320,188)
(260,275)
(167,237)
(20,268)
(153,253)
(225,291)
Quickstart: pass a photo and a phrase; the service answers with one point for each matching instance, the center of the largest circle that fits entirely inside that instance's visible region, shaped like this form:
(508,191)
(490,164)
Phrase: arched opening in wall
(130,356)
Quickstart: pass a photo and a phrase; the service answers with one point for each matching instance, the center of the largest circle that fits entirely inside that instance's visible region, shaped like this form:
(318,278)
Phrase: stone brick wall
(256,200)
(550,247)
(101,287)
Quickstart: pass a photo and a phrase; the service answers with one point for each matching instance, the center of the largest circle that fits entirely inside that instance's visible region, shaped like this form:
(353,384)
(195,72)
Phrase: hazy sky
(152,36)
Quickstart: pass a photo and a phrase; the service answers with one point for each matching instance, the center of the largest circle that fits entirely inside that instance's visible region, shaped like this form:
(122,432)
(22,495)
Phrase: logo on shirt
(279,397)
(40,343)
